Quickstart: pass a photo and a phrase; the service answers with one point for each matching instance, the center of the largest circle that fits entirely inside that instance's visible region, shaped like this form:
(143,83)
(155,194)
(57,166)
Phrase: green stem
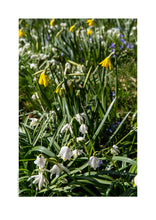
(116,86)
(124,137)
(92,147)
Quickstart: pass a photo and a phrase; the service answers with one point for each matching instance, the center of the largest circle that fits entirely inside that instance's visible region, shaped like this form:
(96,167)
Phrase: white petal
(58,173)
(41,181)
(63,167)
(31,177)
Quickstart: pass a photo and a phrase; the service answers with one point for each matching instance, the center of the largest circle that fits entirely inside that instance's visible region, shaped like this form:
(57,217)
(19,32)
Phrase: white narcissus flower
(65,153)
(33,121)
(67,66)
(80,139)
(32,65)
(79,118)
(135,181)
(34,96)
(40,161)
(115,150)
(40,179)
(53,62)
(67,127)
(58,168)
(77,152)
(93,162)
(83,129)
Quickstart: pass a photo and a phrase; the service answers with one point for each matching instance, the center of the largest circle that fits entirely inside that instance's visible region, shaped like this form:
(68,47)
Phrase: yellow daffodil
(52,22)
(90,22)
(21,33)
(43,80)
(58,89)
(72,28)
(106,63)
(89,32)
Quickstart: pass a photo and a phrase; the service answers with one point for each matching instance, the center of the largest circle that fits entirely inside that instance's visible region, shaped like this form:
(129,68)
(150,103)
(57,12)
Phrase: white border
(69,208)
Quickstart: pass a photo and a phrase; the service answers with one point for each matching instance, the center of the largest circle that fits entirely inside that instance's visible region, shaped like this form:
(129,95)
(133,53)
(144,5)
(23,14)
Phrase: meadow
(77,107)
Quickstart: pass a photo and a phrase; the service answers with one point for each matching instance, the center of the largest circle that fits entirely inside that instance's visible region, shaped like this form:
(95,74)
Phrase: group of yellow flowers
(44,79)
(90,23)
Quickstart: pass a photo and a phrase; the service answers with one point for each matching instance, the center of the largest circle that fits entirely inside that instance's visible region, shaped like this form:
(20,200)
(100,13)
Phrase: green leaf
(125,159)
(103,121)
(79,169)
(42,150)
(27,133)
(88,74)
(93,179)
(117,129)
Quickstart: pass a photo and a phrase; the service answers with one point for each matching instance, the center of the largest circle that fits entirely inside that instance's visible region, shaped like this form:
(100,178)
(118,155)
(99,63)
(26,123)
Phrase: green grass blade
(41,149)
(103,121)
(124,159)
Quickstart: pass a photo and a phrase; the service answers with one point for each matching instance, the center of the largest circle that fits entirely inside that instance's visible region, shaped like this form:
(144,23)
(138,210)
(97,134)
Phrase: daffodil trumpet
(107,62)
(90,22)
(44,79)
(72,27)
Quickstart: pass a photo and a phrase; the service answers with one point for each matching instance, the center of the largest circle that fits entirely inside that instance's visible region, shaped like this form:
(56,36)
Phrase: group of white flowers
(66,153)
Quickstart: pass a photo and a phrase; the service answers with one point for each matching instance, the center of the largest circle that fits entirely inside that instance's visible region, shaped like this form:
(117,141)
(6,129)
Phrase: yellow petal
(40,81)
(106,63)
(58,89)
(46,80)
(89,32)
(43,80)
(52,22)
(71,28)
(90,22)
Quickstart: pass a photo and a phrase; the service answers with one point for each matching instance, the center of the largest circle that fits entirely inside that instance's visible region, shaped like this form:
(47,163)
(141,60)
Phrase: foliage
(105,99)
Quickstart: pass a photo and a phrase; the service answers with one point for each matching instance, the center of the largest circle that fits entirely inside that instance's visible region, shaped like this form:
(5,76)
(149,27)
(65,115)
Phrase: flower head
(40,179)
(79,118)
(115,150)
(93,162)
(83,129)
(77,152)
(52,22)
(40,161)
(35,96)
(65,153)
(106,63)
(89,32)
(112,45)
(123,41)
(33,121)
(43,80)
(67,127)
(80,139)
(58,168)
(135,181)
(90,22)
(21,33)
(72,28)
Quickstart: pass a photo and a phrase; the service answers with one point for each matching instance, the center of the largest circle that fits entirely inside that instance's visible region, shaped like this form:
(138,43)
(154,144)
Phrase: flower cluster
(66,154)
(40,179)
